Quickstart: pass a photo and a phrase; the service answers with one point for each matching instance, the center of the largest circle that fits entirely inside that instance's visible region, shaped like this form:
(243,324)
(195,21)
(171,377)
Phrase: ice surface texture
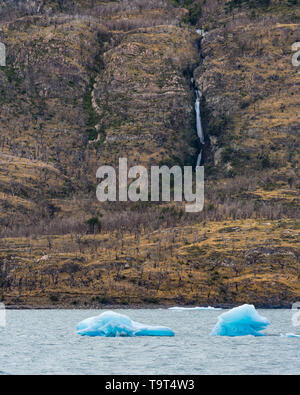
(289,335)
(240,321)
(193,308)
(111,324)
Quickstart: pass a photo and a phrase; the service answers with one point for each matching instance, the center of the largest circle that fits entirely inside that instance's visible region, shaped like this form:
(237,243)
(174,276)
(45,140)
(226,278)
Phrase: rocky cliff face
(81,90)
(90,81)
(250,118)
(144,100)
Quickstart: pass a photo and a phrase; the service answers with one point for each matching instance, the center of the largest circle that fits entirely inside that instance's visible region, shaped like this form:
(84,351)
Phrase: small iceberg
(193,308)
(289,335)
(111,324)
(240,321)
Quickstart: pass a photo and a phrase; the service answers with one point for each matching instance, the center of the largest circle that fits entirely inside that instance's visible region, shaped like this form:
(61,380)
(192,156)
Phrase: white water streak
(199,124)
(198,115)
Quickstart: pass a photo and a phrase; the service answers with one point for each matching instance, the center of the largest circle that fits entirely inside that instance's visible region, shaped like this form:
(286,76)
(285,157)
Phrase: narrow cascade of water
(198,93)
(198,116)
(201,32)
(199,122)
(199,158)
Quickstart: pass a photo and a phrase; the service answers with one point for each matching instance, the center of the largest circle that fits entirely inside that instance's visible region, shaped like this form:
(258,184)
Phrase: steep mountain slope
(90,81)
(80,91)
(251,92)
(144,100)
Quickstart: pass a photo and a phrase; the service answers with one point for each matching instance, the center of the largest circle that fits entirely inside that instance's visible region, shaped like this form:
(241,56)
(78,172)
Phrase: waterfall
(199,122)
(199,158)
(201,32)
(198,93)
(198,116)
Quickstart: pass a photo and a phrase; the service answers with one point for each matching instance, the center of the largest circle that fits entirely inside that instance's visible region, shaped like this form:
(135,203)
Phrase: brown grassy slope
(43,119)
(144,100)
(57,73)
(76,94)
(220,263)
(19,197)
(80,91)
(251,92)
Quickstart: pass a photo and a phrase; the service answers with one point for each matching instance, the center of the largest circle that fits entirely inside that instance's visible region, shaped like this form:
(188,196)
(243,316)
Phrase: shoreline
(136,307)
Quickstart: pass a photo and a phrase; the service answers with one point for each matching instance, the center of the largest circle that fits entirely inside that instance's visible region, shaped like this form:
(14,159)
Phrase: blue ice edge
(111,324)
(197,308)
(290,335)
(240,321)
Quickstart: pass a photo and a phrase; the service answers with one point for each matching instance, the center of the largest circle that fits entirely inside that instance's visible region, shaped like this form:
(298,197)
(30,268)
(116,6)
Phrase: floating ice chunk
(111,324)
(193,308)
(240,321)
(289,335)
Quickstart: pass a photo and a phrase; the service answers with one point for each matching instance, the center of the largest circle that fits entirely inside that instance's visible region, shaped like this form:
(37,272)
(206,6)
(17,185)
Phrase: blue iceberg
(111,324)
(193,308)
(240,321)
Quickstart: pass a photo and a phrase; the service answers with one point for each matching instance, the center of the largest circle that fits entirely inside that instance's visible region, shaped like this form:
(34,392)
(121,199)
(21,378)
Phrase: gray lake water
(45,342)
